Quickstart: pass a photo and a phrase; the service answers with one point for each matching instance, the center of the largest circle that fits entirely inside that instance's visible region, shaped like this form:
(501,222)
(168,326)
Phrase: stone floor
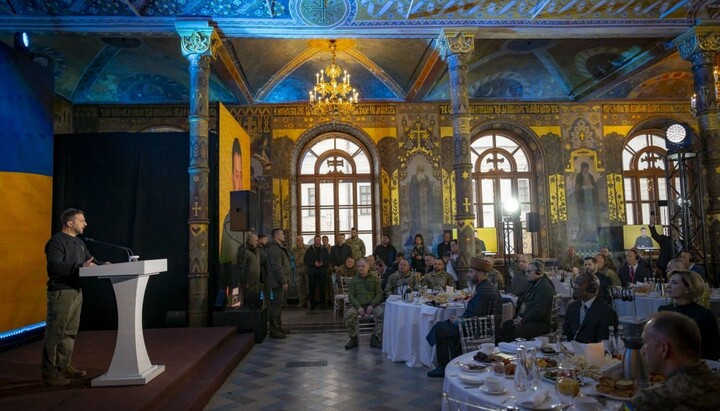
(311,370)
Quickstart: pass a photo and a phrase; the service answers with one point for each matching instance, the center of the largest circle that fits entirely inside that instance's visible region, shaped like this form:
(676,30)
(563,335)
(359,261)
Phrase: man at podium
(65,253)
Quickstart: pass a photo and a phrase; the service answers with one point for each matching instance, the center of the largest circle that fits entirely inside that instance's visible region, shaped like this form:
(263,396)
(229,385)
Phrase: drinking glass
(567,385)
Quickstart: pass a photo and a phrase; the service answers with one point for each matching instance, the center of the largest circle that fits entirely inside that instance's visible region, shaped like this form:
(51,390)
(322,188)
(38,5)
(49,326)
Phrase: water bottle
(521,370)
(533,370)
(611,342)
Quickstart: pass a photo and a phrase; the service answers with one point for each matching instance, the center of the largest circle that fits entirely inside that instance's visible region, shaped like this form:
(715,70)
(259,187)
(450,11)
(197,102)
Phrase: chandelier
(332,95)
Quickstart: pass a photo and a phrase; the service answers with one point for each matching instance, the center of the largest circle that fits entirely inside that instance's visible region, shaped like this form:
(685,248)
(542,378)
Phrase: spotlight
(22,42)
(678,136)
(511,208)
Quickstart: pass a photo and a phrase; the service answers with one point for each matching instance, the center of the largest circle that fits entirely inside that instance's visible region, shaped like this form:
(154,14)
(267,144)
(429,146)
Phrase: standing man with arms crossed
(301,279)
(280,270)
(65,253)
(357,245)
(316,261)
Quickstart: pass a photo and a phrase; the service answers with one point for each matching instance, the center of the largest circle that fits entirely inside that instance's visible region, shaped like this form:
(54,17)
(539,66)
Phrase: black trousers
(316,282)
(447,342)
(527,330)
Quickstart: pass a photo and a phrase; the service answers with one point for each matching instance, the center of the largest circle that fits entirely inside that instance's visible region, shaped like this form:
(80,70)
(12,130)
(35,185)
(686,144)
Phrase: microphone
(129,252)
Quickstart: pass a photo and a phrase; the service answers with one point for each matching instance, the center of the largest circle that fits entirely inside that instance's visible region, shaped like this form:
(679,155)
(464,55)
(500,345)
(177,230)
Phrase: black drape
(134,191)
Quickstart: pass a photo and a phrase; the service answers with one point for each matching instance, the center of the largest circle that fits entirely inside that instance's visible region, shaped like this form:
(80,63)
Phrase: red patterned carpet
(197,361)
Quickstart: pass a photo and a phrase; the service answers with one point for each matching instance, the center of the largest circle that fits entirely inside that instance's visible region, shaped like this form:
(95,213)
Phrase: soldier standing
(356,244)
(248,272)
(280,271)
(300,274)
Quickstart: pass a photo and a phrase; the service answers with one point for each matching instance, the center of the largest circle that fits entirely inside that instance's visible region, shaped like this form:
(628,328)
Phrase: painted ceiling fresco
(128,51)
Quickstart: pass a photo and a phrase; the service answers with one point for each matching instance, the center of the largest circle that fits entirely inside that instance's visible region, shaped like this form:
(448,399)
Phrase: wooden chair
(475,331)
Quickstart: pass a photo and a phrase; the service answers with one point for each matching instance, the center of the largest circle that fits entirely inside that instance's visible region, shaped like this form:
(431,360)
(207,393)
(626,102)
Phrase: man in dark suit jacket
(635,269)
(670,247)
(485,301)
(597,318)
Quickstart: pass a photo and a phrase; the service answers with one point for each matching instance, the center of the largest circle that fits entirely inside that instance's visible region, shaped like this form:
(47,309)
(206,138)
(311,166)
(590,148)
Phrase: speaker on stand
(532,219)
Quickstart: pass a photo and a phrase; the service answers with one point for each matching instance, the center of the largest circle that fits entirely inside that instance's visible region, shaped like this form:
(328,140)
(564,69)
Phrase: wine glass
(567,384)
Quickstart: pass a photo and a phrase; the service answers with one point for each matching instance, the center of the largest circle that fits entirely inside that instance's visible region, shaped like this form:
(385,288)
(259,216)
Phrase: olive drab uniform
(364,292)
(248,272)
(693,388)
(437,280)
(358,247)
(301,279)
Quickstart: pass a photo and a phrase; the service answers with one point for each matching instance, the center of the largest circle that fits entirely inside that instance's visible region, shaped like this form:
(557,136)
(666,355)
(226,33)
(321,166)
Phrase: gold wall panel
(620,130)
(281,202)
(385,198)
(558,202)
(616,198)
(545,130)
(395,196)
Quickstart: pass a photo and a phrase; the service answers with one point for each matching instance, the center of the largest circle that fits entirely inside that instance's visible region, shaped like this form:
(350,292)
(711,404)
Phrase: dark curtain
(134,191)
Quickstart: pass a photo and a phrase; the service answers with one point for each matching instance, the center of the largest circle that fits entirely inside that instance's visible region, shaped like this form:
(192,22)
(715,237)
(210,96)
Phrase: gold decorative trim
(449,44)
(386,198)
(583,152)
(558,201)
(616,197)
(395,195)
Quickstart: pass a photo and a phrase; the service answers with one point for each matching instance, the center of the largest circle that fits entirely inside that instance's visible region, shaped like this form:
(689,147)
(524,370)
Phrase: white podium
(130,362)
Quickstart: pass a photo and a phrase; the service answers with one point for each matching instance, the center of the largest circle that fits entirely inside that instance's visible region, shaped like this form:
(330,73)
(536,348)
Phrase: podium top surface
(145,267)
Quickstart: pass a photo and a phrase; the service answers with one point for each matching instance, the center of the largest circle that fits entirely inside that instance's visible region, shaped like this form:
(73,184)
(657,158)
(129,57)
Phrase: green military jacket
(612,275)
(692,388)
(299,254)
(396,280)
(437,280)
(364,291)
(347,272)
(567,263)
(248,266)
(358,247)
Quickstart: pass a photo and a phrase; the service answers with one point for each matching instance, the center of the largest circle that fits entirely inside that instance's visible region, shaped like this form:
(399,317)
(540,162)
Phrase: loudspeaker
(243,210)
(533,222)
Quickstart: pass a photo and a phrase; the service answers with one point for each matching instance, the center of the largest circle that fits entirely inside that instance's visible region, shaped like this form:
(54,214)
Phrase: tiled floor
(315,372)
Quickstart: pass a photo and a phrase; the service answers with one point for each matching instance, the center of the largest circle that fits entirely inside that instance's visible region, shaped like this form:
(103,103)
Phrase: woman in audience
(686,288)
(418,253)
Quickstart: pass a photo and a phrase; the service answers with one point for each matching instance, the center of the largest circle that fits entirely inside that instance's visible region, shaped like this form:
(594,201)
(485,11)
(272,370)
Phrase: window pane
(327,222)
(644,193)
(503,163)
(630,213)
(345,193)
(662,189)
(523,190)
(346,219)
(322,146)
(347,145)
(658,141)
(362,163)
(364,193)
(488,191)
(308,164)
(505,189)
(629,193)
(505,143)
(488,215)
(308,220)
(626,159)
(327,194)
(307,194)
(645,209)
(521,160)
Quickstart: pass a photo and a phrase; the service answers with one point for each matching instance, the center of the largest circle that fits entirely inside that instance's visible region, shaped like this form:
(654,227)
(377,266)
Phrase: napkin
(472,378)
(511,348)
(535,399)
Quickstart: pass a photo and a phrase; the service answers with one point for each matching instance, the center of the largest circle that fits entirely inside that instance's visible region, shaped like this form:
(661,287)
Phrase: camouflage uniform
(347,272)
(248,271)
(358,247)
(612,275)
(496,279)
(568,263)
(437,280)
(300,274)
(396,280)
(692,388)
(363,292)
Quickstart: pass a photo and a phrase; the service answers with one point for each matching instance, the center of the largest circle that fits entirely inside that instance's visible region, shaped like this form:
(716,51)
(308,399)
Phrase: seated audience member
(365,297)
(534,308)
(590,267)
(451,260)
(519,282)
(634,269)
(429,263)
(486,301)
(588,318)
(385,251)
(401,277)
(383,271)
(609,261)
(604,270)
(418,253)
(672,349)
(444,246)
(349,269)
(689,260)
(674,265)
(685,288)
(396,263)
(570,260)
(438,278)
(497,279)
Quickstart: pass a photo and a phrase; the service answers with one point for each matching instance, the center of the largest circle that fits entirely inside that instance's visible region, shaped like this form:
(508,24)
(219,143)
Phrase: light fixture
(21,42)
(678,136)
(511,208)
(333,95)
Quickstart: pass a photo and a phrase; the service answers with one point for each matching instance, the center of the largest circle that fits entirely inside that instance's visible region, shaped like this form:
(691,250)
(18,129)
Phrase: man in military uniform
(672,348)
(356,244)
(606,271)
(264,268)
(365,296)
(348,269)
(300,274)
(609,262)
(399,278)
(438,278)
(248,272)
(570,260)
(280,271)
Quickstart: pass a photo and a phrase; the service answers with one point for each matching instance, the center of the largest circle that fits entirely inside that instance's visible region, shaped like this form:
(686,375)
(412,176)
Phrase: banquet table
(641,306)
(459,392)
(405,327)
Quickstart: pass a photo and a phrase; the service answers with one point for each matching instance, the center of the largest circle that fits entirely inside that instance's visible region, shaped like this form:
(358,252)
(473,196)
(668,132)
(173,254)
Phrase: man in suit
(688,258)
(670,247)
(588,318)
(383,271)
(485,301)
(635,270)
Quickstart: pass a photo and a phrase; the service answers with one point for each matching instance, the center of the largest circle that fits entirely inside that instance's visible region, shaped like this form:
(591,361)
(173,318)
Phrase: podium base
(143,378)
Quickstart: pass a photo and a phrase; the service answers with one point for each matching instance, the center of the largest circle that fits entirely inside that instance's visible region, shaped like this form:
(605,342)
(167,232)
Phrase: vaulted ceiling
(125,51)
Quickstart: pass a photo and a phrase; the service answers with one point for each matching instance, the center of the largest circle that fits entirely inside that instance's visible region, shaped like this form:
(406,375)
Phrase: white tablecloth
(405,327)
(642,306)
(458,390)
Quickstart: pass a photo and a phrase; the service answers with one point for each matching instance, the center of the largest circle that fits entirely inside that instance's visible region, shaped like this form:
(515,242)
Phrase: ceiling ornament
(333,96)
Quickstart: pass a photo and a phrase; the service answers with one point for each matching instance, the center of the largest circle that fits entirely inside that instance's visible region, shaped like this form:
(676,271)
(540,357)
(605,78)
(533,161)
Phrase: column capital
(452,43)
(699,39)
(197,38)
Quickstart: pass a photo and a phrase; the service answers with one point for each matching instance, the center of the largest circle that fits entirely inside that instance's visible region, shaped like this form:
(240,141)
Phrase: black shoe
(353,343)
(375,342)
(438,372)
(72,372)
(278,335)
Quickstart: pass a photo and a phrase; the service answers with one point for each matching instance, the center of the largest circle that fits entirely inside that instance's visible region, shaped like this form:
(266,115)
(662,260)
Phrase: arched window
(644,178)
(501,170)
(335,188)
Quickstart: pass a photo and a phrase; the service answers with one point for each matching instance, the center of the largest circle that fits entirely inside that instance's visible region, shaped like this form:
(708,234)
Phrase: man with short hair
(365,295)
(643,241)
(519,283)
(634,269)
(326,243)
(316,260)
(385,251)
(588,318)
(609,261)
(485,301)
(672,348)
(570,260)
(383,272)
(340,252)
(280,271)
(534,311)
(590,267)
(604,270)
(399,278)
(348,269)
(444,246)
(451,260)
(438,278)
(356,244)
(65,253)
(429,263)
(249,272)
(688,258)
(300,275)
(264,268)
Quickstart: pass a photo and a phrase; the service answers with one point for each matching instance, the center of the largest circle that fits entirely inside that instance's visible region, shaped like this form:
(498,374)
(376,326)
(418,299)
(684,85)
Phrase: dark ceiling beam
(427,76)
(225,68)
(9,9)
(594,88)
(133,8)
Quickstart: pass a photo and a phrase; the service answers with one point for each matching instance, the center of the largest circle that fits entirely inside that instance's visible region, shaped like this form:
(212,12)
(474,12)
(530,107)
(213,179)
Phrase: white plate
(546,405)
(613,397)
(488,392)
(471,367)
(472,379)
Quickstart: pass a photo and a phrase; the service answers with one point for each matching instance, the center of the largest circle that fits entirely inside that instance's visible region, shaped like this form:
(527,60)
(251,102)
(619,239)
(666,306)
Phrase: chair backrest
(344,284)
(452,404)
(475,331)
(555,312)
